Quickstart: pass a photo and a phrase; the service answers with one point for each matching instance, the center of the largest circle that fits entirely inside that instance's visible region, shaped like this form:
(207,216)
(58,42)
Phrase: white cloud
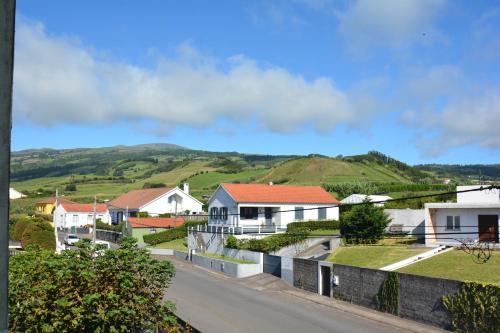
(58,80)
(388,23)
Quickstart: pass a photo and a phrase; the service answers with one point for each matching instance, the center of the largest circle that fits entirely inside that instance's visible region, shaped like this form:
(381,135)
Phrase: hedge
(314,225)
(43,238)
(169,235)
(274,242)
(111,227)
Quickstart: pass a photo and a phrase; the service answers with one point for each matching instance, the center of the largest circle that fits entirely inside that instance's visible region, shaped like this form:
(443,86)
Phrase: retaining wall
(287,270)
(305,274)
(228,268)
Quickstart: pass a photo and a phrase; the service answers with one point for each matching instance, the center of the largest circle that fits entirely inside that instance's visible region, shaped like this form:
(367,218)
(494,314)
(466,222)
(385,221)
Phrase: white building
(154,201)
(474,217)
(13,194)
(68,215)
(246,205)
(359,198)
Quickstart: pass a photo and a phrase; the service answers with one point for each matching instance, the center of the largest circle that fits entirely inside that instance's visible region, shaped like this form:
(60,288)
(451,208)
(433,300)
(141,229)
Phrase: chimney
(185,188)
(270,183)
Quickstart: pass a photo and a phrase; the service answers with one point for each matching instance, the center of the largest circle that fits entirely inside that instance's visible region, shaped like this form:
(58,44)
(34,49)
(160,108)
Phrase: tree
(71,187)
(90,290)
(364,223)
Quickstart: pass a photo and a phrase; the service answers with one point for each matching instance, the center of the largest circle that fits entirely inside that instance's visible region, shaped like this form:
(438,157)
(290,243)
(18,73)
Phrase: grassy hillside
(109,172)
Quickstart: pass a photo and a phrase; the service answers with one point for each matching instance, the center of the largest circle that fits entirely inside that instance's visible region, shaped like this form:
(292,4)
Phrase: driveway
(216,303)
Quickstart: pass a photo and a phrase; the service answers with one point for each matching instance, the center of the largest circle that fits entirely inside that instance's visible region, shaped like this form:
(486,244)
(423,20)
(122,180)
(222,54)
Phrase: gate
(272,265)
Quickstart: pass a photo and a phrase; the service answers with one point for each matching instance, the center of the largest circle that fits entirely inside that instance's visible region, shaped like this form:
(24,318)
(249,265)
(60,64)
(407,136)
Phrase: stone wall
(419,297)
(305,274)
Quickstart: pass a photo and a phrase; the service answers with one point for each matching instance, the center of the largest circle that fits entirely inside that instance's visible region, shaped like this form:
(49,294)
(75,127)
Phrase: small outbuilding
(148,225)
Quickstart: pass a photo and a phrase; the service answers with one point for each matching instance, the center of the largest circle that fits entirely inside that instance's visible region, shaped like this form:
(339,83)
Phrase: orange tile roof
(155,222)
(137,198)
(263,193)
(52,200)
(83,208)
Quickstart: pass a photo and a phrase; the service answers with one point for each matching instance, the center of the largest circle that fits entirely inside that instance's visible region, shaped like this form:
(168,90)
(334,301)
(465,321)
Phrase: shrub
(364,223)
(170,235)
(475,308)
(71,187)
(387,297)
(274,242)
(232,242)
(314,225)
(19,228)
(84,290)
(111,227)
(45,239)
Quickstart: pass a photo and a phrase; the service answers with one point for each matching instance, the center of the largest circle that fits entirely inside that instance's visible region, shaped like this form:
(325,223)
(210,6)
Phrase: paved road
(218,304)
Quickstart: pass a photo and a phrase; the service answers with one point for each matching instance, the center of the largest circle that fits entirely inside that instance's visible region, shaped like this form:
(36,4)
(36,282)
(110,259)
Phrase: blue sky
(417,79)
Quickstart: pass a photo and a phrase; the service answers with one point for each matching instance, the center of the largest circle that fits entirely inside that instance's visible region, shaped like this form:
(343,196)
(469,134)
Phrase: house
(154,201)
(76,215)
(138,227)
(13,194)
(358,198)
(243,205)
(474,217)
(47,205)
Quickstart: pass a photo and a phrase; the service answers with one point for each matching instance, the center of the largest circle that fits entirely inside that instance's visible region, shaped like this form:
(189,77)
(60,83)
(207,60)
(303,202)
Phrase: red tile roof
(83,208)
(263,193)
(155,222)
(137,198)
(52,200)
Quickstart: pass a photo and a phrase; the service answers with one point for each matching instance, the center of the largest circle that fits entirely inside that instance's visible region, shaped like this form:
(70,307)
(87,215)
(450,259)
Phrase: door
(325,280)
(268,213)
(488,228)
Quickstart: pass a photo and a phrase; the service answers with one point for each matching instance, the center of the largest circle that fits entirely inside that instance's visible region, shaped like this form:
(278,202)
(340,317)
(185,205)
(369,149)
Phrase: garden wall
(228,268)
(305,274)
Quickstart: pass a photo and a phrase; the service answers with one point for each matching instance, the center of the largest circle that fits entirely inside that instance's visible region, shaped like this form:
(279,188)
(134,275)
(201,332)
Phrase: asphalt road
(218,304)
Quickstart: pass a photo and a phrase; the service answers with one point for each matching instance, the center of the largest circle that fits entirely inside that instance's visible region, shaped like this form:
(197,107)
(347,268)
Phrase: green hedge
(274,242)
(111,227)
(43,238)
(170,235)
(314,225)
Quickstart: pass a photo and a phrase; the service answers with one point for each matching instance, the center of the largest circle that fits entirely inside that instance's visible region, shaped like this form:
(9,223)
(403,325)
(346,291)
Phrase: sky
(418,80)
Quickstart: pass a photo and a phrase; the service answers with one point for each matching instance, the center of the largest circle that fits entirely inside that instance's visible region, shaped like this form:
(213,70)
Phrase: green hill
(109,172)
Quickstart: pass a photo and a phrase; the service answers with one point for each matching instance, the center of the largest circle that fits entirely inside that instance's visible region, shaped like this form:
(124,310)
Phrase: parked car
(71,239)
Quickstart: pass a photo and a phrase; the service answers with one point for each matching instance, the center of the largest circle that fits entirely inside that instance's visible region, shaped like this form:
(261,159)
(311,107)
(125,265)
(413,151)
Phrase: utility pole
(93,220)
(126,222)
(7,23)
(55,220)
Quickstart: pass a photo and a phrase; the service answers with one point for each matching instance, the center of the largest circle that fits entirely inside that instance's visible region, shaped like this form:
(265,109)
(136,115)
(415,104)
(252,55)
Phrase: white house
(154,201)
(245,205)
(474,217)
(13,194)
(358,198)
(68,215)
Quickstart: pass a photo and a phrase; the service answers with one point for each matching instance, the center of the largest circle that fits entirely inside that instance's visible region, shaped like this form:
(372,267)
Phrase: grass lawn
(324,232)
(372,256)
(226,258)
(176,244)
(458,265)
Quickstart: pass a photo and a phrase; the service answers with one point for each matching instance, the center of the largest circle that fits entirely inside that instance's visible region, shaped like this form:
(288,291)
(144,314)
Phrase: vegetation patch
(179,244)
(171,234)
(274,242)
(364,224)
(387,297)
(225,258)
(314,225)
(475,308)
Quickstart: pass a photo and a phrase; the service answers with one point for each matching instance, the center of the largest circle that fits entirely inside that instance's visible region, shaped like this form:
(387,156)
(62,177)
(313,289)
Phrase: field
(458,265)
(372,256)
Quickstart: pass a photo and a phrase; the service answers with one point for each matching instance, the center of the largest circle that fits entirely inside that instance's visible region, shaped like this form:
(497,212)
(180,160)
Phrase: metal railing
(238,230)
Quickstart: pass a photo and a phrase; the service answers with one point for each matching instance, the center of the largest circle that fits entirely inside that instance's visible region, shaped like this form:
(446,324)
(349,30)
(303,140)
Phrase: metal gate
(272,265)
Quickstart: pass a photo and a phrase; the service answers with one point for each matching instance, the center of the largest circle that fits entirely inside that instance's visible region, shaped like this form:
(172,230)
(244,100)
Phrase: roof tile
(137,198)
(155,222)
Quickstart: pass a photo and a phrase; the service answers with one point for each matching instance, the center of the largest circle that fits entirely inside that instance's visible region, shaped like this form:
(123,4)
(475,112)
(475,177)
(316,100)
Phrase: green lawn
(372,256)
(324,232)
(458,265)
(226,258)
(176,244)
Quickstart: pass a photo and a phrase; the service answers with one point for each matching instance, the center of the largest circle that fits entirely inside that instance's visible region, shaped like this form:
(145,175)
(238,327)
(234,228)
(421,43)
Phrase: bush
(70,187)
(232,242)
(475,308)
(364,223)
(111,227)
(170,235)
(314,225)
(19,228)
(274,242)
(86,290)
(45,239)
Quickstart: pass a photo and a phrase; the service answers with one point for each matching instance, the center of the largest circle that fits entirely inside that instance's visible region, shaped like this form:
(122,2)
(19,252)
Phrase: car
(71,239)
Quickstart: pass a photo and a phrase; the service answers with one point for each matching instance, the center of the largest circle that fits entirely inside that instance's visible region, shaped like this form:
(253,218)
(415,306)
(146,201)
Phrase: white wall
(436,223)
(413,220)
(221,199)
(64,219)
(13,194)
(161,205)
(484,196)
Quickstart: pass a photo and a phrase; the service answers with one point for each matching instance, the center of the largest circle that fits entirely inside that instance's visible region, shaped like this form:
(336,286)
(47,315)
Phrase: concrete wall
(413,220)
(287,270)
(305,274)
(206,241)
(164,252)
(228,268)
(485,196)
(419,297)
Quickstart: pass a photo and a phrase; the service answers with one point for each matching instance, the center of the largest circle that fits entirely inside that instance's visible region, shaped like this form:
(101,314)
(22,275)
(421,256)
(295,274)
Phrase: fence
(107,235)
(230,230)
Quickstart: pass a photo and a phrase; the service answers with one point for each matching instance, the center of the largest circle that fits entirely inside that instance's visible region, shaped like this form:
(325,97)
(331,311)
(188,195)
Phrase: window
(249,213)
(322,214)
(223,213)
(452,222)
(299,213)
(214,213)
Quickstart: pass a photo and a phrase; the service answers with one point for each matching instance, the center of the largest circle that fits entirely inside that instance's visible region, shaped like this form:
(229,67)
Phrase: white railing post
(259,228)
